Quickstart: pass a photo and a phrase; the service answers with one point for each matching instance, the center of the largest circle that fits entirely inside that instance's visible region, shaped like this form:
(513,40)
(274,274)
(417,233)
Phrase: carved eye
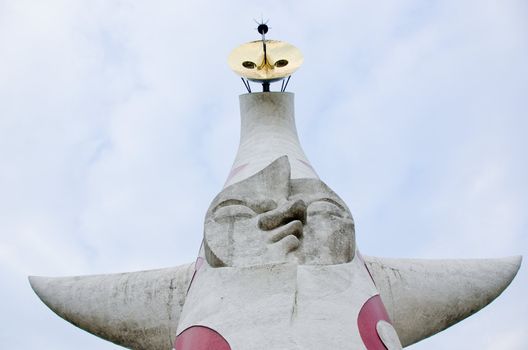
(326,207)
(281,63)
(234,212)
(249,64)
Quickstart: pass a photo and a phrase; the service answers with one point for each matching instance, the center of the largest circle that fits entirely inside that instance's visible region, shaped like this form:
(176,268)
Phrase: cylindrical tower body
(268,132)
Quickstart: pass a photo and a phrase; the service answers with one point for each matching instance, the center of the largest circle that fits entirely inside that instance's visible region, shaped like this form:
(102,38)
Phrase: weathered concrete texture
(280,271)
(271,218)
(388,335)
(279,267)
(281,306)
(268,132)
(424,297)
(138,310)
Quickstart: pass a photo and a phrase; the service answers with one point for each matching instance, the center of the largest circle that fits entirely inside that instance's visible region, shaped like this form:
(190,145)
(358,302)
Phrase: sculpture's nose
(291,211)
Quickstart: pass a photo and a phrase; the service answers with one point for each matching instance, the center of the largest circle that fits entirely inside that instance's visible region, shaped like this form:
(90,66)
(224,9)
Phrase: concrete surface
(279,267)
(267,132)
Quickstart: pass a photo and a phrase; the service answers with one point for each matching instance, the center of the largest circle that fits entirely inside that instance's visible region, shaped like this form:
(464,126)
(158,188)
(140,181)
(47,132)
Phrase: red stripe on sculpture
(200,338)
(370,314)
(306,163)
(366,267)
(197,265)
(235,171)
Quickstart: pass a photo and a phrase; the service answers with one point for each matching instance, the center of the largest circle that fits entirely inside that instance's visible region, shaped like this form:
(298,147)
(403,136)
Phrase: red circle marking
(200,338)
(370,314)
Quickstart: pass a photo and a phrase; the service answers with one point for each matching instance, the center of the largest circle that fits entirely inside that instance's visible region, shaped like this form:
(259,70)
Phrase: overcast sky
(119,122)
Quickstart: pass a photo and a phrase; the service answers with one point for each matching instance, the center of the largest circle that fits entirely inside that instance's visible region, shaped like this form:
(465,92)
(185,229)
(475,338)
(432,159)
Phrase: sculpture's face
(269,218)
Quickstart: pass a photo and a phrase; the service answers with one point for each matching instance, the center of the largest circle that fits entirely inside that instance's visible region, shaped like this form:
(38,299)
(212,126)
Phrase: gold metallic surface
(282,59)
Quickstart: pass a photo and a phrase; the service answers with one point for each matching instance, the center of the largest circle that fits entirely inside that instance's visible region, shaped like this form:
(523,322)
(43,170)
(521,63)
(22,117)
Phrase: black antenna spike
(246,84)
(286,85)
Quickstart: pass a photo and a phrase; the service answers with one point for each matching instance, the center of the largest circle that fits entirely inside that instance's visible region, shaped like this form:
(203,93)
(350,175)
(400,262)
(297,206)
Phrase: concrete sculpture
(278,268)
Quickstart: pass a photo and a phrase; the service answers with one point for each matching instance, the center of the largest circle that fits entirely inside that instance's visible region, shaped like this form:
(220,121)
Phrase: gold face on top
(268,60)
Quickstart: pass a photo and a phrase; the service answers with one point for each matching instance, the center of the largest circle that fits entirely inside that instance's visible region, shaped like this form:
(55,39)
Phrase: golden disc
(282,59)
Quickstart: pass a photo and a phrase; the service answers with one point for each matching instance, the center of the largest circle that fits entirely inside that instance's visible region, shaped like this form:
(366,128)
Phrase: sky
(119,122)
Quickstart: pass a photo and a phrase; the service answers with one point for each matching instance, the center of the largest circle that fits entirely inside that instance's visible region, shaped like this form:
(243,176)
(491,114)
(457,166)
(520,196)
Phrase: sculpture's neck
(268,132)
